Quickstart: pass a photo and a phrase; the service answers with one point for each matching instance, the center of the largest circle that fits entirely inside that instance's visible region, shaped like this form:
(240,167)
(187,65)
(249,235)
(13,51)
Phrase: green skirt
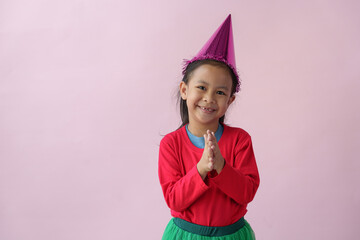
(179,229)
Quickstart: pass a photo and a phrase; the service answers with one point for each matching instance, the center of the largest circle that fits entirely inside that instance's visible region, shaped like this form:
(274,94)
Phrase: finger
(210,152)
(213,136)
(215,143)
(211,143)
(211,166)
(210,133)
(207,140)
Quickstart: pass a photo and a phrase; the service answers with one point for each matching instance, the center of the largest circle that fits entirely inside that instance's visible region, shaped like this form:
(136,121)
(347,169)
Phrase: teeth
(207,109)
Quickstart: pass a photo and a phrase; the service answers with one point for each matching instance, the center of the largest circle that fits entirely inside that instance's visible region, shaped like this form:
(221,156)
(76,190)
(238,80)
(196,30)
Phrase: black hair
(184,113)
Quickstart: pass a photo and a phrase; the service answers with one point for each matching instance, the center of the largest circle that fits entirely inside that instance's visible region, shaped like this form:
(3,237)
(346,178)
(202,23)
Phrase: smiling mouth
(207,110)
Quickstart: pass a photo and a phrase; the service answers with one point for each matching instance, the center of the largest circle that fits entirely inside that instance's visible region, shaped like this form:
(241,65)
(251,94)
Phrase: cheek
(225,103)
(192,96)
(192,100)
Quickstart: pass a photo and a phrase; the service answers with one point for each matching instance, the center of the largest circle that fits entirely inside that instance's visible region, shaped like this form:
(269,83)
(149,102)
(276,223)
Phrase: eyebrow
(203,82)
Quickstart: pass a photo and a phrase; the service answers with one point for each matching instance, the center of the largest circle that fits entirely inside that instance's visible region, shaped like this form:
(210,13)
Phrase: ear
(231,100)
(183,90)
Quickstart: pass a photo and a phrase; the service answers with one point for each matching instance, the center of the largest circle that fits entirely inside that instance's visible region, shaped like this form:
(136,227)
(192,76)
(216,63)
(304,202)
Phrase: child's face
(207,95)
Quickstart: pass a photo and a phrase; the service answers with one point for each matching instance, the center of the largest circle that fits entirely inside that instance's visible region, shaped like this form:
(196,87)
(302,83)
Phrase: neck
(200,130)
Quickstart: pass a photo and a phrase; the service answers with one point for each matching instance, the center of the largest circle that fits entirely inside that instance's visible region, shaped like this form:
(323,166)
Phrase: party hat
(219,47)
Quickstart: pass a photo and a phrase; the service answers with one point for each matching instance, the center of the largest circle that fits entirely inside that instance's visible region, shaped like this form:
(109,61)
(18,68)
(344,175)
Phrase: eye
(201,87)
(220,93)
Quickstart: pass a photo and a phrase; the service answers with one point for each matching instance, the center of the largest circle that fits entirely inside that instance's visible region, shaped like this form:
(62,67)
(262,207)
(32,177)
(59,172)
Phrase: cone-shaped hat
(219,47)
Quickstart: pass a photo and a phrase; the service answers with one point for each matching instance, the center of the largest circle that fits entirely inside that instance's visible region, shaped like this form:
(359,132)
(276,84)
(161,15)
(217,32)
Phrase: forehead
(210,74)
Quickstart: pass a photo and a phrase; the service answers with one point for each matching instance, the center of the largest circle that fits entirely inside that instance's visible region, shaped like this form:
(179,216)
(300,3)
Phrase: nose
(208,97)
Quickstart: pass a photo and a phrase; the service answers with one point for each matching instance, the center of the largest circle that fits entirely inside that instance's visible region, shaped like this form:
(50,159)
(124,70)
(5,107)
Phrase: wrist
(201,171)
(220,168)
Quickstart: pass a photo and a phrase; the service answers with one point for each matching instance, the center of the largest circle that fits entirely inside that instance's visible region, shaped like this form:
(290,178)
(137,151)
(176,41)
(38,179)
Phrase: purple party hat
(219,47)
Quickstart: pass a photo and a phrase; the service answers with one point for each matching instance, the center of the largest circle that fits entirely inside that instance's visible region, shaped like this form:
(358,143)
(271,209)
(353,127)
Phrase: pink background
(87,88)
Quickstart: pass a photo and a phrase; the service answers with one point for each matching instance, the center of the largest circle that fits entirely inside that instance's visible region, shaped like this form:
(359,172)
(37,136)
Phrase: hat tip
(228,18)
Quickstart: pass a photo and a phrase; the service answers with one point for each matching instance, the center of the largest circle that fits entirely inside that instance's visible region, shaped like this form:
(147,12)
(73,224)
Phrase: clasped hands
(211,158)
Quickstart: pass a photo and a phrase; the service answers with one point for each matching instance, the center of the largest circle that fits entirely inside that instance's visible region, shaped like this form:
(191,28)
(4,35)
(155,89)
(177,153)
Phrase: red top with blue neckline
(221,199)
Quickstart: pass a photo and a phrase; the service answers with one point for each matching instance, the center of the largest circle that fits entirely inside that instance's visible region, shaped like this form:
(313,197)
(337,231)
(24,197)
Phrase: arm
(180,190)
(240,181)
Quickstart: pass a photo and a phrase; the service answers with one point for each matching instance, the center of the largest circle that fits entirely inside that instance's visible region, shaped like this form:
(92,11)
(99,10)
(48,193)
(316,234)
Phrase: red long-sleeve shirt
(221,199)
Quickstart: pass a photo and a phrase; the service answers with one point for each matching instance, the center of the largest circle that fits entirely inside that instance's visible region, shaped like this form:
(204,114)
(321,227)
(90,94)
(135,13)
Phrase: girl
(207,170)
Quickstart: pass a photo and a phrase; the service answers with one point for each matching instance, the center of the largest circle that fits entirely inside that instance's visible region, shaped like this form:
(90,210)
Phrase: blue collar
(200,141)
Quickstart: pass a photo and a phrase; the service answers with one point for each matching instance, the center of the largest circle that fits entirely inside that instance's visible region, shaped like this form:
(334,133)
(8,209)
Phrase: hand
(217,159)
(206,163)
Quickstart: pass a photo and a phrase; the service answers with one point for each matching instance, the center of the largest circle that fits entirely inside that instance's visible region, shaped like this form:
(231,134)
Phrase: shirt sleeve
(180,190)
(240,180)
